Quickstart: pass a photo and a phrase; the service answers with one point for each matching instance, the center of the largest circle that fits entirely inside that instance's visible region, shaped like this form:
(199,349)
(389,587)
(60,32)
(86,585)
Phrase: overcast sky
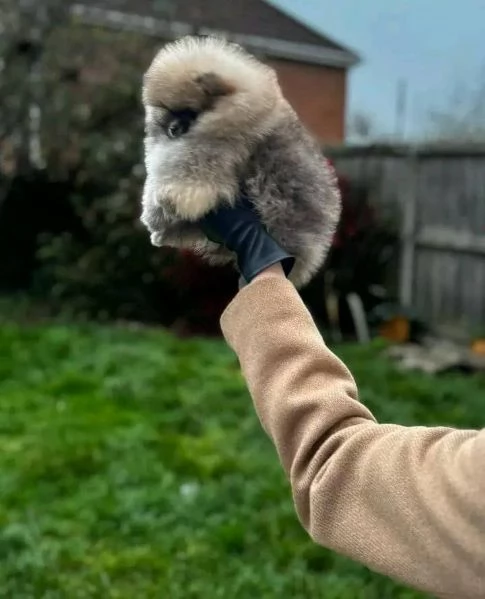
(433,45)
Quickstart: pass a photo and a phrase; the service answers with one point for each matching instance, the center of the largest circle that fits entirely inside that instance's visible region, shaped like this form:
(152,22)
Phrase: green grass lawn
(132,465)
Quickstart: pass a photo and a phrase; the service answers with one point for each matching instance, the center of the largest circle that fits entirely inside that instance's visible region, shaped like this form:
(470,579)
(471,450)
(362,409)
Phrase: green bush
(86,253)
(104,267)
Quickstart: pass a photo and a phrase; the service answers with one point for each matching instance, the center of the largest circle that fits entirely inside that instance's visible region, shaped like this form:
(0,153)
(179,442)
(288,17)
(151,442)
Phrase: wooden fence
(439,197)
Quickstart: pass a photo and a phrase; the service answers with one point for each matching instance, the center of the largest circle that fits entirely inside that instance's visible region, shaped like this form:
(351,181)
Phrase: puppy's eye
(177,128)
(178,122)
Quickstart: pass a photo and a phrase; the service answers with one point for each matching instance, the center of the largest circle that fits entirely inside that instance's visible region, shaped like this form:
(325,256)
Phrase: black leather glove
(241,231)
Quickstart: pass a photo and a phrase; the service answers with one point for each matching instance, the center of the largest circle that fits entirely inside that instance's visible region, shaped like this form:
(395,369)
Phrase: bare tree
(362,128)
(462,118)
(25,27)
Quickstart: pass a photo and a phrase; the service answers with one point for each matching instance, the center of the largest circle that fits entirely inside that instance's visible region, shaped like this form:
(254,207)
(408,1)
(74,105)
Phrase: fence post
(408,231)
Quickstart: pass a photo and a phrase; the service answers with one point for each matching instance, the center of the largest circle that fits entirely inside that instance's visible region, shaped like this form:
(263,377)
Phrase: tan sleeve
(408,502)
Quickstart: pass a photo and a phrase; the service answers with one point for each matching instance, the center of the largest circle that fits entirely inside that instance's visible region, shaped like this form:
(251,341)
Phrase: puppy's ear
(214,86)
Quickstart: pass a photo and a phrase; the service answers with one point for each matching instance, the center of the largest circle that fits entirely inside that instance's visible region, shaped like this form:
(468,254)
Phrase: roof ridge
(310,28)
(259,24)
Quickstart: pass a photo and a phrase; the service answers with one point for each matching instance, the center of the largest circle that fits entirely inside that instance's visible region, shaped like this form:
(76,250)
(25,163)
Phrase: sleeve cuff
(256,304)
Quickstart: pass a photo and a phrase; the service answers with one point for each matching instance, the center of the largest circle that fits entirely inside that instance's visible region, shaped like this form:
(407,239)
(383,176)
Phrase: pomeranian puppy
(217,125)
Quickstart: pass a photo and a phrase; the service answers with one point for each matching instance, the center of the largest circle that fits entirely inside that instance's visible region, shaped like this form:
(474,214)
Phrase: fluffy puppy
(217,125)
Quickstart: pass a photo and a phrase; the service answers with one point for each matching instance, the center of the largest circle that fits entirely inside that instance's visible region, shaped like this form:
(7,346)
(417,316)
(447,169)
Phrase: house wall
(318,94)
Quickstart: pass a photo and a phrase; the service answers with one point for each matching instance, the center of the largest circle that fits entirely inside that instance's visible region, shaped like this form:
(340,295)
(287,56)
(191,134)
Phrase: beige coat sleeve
(408,502)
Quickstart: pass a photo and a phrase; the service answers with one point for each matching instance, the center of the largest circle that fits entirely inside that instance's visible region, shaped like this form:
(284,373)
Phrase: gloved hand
(241,231)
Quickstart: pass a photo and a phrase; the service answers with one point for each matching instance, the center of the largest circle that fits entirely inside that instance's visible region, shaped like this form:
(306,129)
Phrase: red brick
(318,95)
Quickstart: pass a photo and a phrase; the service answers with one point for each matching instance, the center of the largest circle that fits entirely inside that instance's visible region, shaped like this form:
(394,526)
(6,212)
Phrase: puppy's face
(206,101)
(185,109)
(207,88)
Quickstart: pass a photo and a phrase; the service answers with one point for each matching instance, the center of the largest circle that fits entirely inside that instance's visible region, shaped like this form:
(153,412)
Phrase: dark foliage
(69,227)
(363,259)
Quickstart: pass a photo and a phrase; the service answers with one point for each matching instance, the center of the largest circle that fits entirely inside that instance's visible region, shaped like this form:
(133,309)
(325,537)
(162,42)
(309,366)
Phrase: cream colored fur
(192,200)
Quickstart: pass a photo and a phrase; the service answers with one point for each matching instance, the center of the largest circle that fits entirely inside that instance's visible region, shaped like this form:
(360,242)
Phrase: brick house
(312,69)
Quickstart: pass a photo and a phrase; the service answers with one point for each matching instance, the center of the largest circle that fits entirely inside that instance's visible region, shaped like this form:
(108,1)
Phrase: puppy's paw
(156,239)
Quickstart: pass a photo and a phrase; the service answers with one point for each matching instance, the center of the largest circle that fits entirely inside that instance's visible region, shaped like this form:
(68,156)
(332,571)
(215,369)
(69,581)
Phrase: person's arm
(408,502)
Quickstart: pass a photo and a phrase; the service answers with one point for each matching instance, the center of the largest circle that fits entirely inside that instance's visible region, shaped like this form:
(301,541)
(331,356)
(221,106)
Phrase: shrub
(362,259)
(81,212)
(70,232)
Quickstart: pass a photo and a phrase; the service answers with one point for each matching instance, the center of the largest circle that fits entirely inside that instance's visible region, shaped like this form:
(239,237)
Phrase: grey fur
(246,137)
